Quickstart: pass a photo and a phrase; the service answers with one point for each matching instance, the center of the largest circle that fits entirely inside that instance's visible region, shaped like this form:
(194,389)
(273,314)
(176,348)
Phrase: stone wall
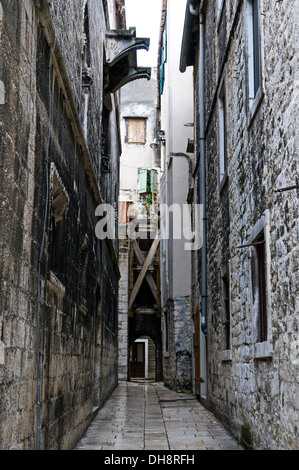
(78,278)
(123,317)
(177,362)
(253,391)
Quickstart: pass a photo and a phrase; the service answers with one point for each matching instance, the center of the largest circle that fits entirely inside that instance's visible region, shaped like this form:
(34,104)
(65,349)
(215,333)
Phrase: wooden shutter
(124,212)
(136,131)
(154,181)
(142,181)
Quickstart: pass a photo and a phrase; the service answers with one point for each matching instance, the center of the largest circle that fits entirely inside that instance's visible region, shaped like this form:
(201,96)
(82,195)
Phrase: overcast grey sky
(145,15)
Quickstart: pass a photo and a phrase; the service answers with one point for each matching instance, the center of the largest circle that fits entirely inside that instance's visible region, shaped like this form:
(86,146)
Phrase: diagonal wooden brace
(148,276)
(143,271)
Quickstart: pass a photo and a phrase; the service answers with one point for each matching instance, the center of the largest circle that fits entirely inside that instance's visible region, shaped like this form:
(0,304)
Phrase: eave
(189,37)
(121,59)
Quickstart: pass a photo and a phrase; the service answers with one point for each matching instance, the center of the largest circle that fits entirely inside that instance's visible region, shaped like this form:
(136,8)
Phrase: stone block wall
(254,391)
(123,317)
(79,274)
(177,362)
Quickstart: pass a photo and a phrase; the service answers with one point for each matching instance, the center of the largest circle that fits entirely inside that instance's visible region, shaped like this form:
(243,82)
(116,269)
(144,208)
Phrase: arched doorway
(145,356)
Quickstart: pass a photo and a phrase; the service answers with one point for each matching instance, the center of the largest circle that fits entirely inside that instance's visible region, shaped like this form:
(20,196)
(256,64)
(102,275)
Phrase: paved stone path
(141,416)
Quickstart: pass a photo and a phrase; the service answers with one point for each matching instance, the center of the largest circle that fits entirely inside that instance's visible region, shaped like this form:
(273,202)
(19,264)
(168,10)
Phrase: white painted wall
(176,116)
(138,100)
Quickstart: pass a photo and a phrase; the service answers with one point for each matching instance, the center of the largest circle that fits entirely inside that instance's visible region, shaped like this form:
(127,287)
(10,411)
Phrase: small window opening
(262,304)
(254,54)
(136,131)
(222,132)
(60,201)
(226,309)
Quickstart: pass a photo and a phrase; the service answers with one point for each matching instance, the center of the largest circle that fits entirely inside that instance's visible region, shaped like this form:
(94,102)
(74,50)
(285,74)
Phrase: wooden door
(138,360)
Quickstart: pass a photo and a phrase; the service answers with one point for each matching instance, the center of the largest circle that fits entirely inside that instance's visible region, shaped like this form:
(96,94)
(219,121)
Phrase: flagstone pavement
(149,416)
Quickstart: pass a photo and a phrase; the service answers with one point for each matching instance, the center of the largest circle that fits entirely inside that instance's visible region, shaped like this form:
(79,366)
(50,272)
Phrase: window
(60,201)
(86,73)
(148,181)
(261,283)
(222,131)
(260,286)
(125,212)
(225,290)
(253,50)
(136,131)
(84,273)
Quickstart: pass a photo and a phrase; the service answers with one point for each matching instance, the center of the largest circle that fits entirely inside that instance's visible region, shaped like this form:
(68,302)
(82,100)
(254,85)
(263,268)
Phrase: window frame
(59,204)
(262,346)
(222,131)
(226,313)
(135,119)
(254,58)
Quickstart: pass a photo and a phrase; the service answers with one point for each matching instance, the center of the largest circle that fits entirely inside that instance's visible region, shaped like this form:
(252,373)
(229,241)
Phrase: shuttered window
(154,181)
(262,326)
(148,181)
(222,132)
(136,131)
(124,212)
(142,181)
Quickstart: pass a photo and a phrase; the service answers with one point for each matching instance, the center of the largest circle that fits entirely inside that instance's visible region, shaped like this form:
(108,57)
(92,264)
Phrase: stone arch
(152,329)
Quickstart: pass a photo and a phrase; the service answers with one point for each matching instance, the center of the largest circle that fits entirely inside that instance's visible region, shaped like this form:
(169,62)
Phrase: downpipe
(202,182)
(204,293)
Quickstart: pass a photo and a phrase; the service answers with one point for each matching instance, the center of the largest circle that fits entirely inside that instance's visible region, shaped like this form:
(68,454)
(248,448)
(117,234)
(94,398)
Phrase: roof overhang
(190,35)
(121,59)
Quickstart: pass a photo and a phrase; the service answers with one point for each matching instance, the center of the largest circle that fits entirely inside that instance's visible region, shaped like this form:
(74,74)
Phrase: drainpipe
(204,298)
(202,182)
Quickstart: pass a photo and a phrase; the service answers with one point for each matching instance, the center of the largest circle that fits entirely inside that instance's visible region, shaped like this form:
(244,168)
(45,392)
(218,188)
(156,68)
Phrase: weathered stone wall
(177,362)
(151,360)
(257,397)
(123,317)
(79,275)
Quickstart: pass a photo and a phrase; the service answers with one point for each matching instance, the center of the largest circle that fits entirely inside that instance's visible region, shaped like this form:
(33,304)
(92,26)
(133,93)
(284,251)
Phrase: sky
(145,15)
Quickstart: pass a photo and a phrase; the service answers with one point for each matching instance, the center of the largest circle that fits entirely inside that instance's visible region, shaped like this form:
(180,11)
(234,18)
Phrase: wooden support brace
(143,271)
(148,275)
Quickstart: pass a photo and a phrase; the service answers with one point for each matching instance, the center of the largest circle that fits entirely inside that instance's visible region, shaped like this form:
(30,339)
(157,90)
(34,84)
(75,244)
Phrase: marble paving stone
(148,416)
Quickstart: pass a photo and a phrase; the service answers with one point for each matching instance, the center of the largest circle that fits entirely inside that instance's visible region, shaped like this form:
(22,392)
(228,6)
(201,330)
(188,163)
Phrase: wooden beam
(143,271)
(148,275)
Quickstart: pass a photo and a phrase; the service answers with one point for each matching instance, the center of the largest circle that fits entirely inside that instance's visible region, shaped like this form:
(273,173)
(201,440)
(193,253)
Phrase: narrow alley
(149,226)
(148,416)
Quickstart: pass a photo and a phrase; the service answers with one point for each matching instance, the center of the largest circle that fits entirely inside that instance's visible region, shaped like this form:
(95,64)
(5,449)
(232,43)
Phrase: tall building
(175,119)
(244,55)
(62,65)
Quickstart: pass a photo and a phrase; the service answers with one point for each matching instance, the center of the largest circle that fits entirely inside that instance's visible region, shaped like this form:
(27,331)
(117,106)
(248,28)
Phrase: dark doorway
(137,361)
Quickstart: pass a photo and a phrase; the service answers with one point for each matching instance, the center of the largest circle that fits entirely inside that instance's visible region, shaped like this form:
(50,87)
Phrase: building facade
(140,338)
(62,64)
(175,118)
(244,56)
